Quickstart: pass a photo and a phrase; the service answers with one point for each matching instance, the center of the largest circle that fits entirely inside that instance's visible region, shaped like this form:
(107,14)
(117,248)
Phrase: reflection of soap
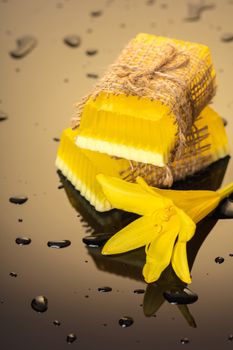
(81,166)
(95,222)
(155,89)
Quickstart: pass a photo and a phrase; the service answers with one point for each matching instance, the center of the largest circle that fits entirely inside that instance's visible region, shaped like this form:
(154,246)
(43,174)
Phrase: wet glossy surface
(37,96)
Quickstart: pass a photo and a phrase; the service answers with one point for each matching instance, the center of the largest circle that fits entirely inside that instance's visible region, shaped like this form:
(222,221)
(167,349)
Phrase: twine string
(137,79)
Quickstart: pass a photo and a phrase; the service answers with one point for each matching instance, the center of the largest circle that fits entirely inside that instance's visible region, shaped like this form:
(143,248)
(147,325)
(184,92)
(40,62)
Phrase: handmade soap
(144,107)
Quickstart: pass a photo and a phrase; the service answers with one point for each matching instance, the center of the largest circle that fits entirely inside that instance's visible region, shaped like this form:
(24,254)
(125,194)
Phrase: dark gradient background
(38,93)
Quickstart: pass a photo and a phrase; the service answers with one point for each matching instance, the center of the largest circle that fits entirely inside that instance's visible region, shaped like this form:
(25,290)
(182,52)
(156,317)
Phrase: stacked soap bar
(80,166)
(147,116)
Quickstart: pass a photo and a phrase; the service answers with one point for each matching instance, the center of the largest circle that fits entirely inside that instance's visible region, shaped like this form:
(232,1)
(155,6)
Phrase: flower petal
(187,228)
(160,250)
(179,257)
(129,196)
(137,234)
(180,262)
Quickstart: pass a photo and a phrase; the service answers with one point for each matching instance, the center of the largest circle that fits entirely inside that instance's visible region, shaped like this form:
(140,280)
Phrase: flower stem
(225,191)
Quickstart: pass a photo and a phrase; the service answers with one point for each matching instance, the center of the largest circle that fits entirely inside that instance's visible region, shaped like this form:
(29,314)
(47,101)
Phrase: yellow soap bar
(128,127)
(140,124)
(81,166)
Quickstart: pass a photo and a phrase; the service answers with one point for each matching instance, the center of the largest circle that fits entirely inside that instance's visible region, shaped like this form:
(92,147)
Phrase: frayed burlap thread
(191,160)
(178,74)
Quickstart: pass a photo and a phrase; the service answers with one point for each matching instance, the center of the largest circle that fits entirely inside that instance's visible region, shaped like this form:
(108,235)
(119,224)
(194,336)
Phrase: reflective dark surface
(86,297)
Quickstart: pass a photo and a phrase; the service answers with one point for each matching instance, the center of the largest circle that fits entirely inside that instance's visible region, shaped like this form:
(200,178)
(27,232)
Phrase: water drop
(104,289)
(150,2)
(59,244)
(227,37)
(89,30)
(195,11)
(40,303)
(18,200)
(96,240)
(178,296)
(184,341)
(3,116)
(91,52)
(59,5)
(92,75)
(126,321)
(23,240)
(224,121)
(164,6)
(13,274)
(25,44)
(219,260)
(56,323)
(139,291)
(225,209)
(71,338)
(96,13)
(230,337)
(72,40)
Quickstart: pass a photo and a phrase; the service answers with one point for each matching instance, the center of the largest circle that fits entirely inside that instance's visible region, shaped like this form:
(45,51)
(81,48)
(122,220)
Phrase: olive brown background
(37,94)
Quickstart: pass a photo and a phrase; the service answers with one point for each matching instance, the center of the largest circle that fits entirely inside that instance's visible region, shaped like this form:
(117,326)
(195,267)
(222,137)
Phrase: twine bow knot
(138,79)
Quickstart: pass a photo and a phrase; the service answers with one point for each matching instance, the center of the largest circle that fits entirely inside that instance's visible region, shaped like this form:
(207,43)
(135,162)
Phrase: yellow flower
(167,222)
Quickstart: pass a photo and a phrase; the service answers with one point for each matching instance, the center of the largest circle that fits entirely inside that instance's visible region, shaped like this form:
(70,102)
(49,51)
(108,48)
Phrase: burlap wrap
(181,76)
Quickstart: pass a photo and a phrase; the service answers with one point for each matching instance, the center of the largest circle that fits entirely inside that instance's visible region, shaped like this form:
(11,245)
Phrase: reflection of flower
(167,222)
